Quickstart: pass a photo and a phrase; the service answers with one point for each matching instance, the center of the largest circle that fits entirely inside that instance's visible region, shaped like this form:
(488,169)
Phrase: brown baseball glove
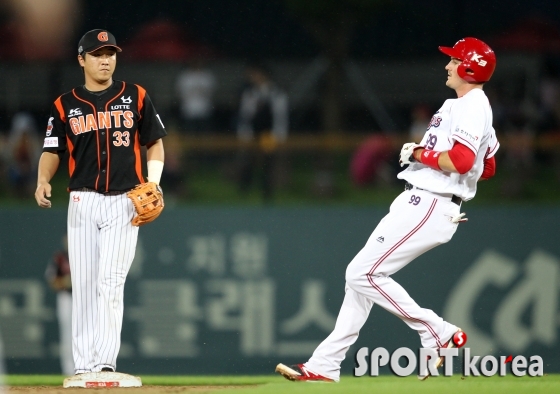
(148,202)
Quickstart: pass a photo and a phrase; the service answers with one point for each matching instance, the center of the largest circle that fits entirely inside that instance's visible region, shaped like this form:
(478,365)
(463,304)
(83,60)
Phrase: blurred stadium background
(245,267)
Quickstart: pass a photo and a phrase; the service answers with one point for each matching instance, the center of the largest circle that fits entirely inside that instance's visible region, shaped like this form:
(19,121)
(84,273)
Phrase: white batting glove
(459,218)
(406,153)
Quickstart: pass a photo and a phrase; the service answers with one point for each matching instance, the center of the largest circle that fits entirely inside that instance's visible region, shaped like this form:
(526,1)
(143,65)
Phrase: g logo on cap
(103,36)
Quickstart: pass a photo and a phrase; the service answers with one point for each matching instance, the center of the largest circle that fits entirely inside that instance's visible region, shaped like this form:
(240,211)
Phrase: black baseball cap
(95,39)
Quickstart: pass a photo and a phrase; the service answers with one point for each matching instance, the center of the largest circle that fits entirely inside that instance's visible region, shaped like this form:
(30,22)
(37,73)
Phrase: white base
(102,379)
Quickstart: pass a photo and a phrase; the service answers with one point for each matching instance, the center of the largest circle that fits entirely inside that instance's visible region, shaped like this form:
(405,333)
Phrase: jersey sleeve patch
(467,139)
(50,126)
(51,142)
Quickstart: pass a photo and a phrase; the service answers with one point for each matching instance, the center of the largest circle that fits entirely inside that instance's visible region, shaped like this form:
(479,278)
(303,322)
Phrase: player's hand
(42,195)
(459,218)
(407,151)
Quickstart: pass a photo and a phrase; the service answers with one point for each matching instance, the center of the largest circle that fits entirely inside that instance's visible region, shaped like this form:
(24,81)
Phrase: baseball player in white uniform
(443,170)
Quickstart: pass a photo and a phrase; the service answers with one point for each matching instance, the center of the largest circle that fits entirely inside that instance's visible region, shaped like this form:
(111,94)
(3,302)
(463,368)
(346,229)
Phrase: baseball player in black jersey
(102,124)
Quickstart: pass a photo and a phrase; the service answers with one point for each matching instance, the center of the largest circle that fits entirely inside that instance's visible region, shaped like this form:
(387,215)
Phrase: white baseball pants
(101,247)
(418,221)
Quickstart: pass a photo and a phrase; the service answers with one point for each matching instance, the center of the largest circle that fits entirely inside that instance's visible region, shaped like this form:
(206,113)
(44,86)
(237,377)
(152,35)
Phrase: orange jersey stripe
(138,157)
(98,155)
(109,138)
(71,160)
(141,95)
(58,104)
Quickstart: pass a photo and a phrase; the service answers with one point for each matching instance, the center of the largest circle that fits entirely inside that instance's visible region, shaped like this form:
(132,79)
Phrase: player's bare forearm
(155,151)
(444,161)
(48,164)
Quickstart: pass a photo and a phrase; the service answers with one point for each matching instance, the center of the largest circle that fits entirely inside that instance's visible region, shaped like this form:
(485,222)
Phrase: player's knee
(354,275)
(110,282)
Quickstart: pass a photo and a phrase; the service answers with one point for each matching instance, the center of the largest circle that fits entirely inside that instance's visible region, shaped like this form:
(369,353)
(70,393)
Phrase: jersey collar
(116,85)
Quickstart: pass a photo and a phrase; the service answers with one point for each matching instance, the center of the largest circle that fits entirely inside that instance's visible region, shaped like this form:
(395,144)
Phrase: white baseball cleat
(102,379)
(300,373)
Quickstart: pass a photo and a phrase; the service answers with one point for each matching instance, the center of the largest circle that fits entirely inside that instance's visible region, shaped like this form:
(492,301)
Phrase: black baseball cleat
(107,369)
(300,373)
(458,340)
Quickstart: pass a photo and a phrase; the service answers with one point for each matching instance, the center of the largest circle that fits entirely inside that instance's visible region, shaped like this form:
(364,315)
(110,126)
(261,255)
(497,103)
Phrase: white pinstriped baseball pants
(101,247)
(406,232)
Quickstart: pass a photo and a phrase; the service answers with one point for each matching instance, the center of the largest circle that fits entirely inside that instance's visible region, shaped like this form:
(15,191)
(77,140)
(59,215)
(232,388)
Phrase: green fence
(239,290)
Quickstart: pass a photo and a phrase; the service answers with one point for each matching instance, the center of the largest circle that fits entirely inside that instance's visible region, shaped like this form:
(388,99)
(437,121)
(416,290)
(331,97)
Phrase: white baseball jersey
(467,120)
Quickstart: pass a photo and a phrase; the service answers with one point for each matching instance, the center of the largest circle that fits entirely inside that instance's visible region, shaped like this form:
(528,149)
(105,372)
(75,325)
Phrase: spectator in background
(263,117)
(372,160)
(38,30)
(196,86)
(421,116)
(58,277)
(549,99)
(548,122)
(22,153)
(173,177)
(515,119)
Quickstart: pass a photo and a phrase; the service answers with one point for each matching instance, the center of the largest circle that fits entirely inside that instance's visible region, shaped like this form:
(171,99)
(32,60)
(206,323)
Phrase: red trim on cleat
(300,373)
(458,340)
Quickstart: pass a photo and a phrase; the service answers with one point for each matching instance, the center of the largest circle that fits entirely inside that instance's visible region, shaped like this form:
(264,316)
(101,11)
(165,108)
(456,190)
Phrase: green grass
(390,384)
(271,384)
(208,380)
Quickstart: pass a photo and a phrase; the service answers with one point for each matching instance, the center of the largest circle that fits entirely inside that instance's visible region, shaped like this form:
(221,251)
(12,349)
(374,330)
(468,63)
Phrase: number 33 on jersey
(105,131)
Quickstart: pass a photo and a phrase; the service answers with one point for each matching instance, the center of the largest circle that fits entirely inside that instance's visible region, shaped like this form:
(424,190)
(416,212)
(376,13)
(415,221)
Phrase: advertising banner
(238,290)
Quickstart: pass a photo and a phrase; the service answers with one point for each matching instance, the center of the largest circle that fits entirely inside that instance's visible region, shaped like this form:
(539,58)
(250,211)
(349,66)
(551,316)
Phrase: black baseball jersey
(103,134)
